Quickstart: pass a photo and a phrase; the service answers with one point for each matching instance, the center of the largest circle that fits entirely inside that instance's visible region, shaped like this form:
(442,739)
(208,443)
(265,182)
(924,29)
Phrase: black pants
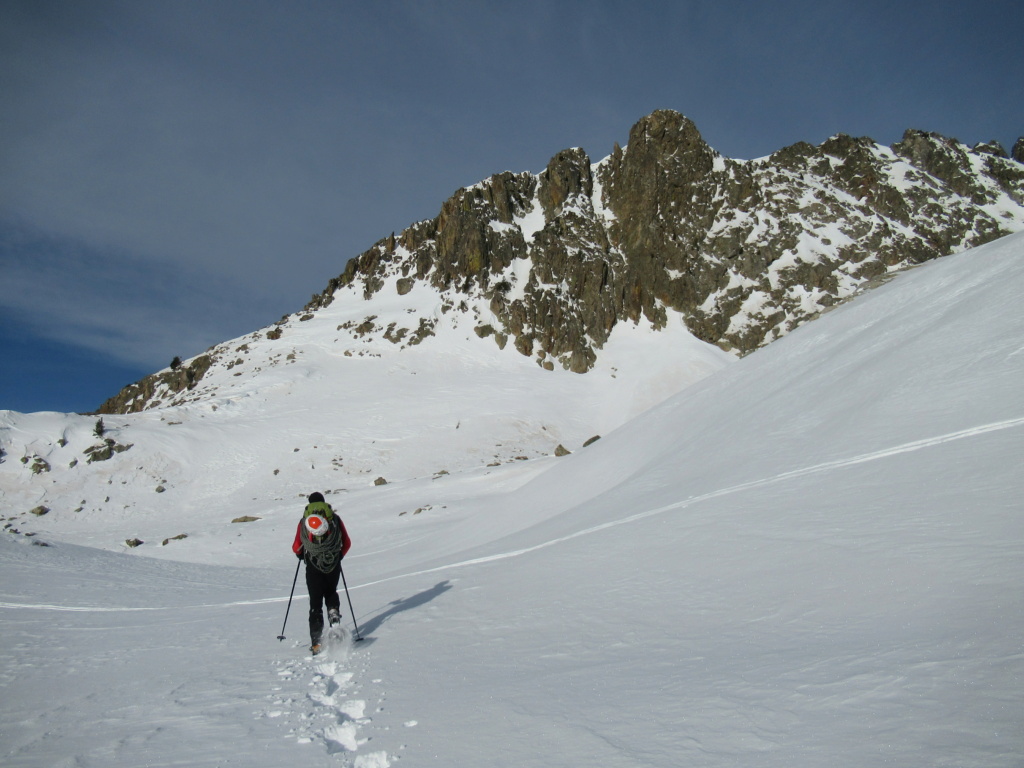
(323,588)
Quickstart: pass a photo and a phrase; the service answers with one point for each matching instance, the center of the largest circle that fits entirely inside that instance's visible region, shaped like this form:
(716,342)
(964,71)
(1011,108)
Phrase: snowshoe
(333,617)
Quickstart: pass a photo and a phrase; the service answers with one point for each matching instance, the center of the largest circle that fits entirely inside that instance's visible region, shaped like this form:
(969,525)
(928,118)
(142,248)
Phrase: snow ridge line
(915,445)
(117,609)
(863,458)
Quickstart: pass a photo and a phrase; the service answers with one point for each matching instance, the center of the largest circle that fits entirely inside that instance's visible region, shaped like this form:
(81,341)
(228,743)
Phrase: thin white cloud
(130,310)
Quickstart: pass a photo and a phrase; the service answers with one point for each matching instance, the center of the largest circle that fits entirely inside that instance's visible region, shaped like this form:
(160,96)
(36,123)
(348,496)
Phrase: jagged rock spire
(741,251)
(745,251)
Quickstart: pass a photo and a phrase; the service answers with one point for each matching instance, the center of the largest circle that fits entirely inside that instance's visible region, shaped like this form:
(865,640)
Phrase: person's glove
(300,554)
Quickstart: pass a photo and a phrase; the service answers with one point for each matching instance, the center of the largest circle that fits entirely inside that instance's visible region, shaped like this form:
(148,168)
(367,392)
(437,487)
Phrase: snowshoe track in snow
(320,701)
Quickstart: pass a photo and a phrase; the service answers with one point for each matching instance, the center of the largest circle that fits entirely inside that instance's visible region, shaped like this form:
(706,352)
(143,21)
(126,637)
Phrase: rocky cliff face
(745,251)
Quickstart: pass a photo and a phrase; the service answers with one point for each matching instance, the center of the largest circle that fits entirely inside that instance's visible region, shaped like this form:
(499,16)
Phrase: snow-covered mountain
(448,348)
(809,556)
(332,411)
(795,554)
(665,231)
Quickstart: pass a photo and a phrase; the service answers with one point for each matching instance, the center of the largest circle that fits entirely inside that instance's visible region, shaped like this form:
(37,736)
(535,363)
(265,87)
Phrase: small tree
(100,430)
(175,363)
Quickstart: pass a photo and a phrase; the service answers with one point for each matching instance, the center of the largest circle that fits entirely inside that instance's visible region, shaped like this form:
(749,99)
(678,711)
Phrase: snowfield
(813,556)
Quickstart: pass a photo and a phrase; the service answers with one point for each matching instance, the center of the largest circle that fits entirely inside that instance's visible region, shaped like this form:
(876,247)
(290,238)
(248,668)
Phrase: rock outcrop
(743,251)
(144,393)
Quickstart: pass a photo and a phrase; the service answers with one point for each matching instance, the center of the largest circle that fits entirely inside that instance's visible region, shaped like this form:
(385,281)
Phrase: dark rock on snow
(744,251)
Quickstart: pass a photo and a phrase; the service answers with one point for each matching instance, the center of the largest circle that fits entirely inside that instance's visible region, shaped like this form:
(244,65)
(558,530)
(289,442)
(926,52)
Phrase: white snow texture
(812,556)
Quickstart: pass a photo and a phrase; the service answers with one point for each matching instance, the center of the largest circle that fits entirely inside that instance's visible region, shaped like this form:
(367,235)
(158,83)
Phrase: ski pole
(281,636)
(350,610)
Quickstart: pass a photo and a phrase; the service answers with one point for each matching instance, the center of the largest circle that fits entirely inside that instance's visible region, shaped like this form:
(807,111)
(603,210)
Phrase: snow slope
(326,407)
(814,556)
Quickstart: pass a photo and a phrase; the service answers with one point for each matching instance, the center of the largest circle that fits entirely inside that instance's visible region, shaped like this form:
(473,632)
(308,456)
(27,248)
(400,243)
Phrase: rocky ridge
(743,251)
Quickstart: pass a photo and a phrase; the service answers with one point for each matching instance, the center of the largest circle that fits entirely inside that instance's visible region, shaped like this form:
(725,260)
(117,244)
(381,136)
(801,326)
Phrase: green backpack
(322,551)
(321,508)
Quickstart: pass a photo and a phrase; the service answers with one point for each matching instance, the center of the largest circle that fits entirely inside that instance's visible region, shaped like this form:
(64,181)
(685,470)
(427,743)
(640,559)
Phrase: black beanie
(315,496)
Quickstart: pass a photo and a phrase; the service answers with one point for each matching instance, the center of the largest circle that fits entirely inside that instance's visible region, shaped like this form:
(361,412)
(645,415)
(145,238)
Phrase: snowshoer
(322,541)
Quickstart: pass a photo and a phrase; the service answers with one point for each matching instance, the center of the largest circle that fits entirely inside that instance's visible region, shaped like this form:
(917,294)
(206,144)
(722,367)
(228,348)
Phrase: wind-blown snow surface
(813,557)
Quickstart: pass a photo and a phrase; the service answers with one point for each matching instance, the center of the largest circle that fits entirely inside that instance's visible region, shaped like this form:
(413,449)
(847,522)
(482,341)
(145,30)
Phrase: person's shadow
(405,604)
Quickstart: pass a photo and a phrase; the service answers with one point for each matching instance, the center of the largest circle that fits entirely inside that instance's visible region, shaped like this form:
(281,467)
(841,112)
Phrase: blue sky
(175,174)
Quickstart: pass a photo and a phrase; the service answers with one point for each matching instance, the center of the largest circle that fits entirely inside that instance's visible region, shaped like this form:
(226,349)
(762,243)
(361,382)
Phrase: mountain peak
(741,252)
